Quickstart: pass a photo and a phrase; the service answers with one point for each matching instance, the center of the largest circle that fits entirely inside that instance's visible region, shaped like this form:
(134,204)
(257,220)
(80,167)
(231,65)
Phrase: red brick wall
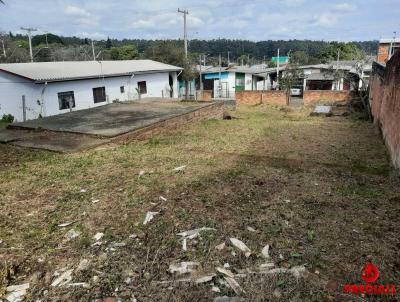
(383,53)
(385,104)
(258,97)
(311,97)
(205,95)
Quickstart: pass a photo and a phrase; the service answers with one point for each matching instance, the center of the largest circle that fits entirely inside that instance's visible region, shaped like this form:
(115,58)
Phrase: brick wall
(257,97)
(385,103)
(383,53)
(211,111)
(312,97)
(205,95)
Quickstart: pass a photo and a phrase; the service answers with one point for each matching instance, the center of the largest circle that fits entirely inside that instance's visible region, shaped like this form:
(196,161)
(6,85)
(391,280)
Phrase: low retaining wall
(385,104)
(205,95)
(212,111)
(311,97)
(276,97)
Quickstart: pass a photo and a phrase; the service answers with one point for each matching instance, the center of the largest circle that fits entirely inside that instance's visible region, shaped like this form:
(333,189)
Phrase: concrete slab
(59,142)
(112,120)
(7,135)
(322,110)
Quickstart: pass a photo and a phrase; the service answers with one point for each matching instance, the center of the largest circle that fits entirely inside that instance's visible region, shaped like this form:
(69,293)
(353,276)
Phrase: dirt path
(319,191)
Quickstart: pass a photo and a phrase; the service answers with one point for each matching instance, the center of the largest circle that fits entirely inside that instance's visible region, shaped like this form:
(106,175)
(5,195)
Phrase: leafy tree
(126,52)
(346,51)
(41,39)
(300,57)
(108,43)
(290,78)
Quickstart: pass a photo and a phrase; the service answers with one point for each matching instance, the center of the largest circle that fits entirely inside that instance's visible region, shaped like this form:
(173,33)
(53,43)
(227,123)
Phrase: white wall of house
(12,88)
(248,78)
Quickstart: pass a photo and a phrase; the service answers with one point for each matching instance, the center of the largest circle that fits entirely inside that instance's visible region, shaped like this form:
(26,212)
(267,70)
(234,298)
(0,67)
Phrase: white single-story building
(225,81)
(33,90)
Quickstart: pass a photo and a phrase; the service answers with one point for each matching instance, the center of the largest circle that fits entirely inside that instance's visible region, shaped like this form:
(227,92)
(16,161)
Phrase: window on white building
(99,94)
(66,100)
(122,89)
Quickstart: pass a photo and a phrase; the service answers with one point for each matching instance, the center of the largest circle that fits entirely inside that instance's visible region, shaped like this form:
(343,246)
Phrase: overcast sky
(237,19)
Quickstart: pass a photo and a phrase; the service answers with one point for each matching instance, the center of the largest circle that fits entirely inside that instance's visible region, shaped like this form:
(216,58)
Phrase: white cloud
(80,16)
(345,7)
(91,36)
(327,19)
(294,2)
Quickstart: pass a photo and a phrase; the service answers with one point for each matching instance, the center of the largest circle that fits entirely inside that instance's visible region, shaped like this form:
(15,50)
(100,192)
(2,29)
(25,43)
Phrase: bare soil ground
(319,191)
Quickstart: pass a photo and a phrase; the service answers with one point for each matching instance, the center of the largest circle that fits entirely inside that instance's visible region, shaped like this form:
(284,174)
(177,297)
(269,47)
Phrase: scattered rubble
(225,272)
(228,299)
(180,169)
(95,200)
(63,225)
(183,267)
(149,217)
(16,293)
(205,279)
(241,246)
(265,252)
(98,236)
(322,111)
(250,229)
(63,279)
(71,234)
(194,233)
(83,265)
(220,247)
(162,198)
(141,173)
(234,285)
(83,191)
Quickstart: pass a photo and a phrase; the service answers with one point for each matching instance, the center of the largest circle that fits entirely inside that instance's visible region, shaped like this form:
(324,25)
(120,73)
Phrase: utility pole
(47,41)
(94,54)
(4,49)
(201,77)
(220,84)
(29,32)
(391,44)
(229,61)
(185,13)
(277,71)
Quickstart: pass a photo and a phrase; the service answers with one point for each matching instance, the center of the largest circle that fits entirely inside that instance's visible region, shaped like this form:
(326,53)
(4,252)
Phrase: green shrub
(7,118)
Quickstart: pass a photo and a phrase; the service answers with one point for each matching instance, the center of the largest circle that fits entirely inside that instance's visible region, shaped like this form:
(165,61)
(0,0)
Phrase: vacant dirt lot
(319,191)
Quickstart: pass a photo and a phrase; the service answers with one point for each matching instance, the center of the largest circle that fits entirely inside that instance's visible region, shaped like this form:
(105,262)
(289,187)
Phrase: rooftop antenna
(29,32)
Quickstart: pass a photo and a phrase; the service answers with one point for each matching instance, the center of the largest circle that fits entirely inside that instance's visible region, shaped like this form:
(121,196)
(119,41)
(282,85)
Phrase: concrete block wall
(385,104)
(254,97)
(212,111)
(311,97)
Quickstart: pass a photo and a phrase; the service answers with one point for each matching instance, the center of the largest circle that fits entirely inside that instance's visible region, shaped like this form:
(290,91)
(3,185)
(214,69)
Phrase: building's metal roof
(239,69)
(320,77)
(75,70)
(388,41)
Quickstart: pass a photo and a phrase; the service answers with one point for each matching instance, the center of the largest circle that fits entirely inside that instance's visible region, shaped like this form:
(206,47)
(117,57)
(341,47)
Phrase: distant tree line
(51,47)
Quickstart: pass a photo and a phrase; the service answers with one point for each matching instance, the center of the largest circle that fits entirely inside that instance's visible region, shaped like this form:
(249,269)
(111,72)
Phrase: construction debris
(95,201)
(149,217)
(162,198)
(265,252)
(322,111)
(205,279)
(180,169)
(220,247)
(16,293)
(228,299)
(63,279)
(71,234)
(98,236)
(250,229)
(83,265)
(241,246)
(141,173)
(234,285)
(79,284)
(225,272)
(183,267)
(194,233)
(63,225)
